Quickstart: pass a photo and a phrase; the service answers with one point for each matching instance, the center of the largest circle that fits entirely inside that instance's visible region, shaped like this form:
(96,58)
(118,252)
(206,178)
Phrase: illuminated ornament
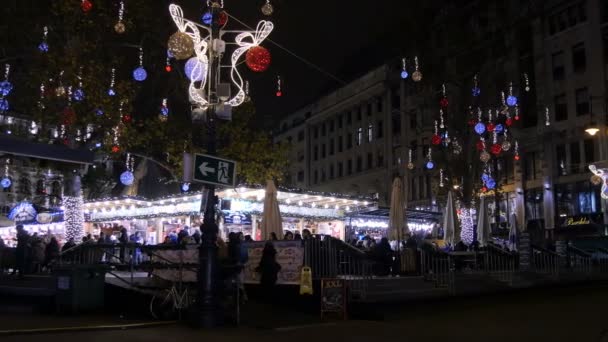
(127,178)
(115,149)
(43,47)
(417,76)
(111,92)
(99,112)
(140,74)
(127,118)
(480,128)
(4,106)
(201,70)
(496,149)
(499,128)
(86,5)
(430,165)
(258,58)
(506,145)
(404,74)
(476,91)
(180,45)
(509,122)
(5,88)
(516,157)
(69,116)
(595,180)
(484,156)
(120,27)
(435,139)
(485,177)
(484,189)
(511,100)
(6,182)
(279,92)
(472,122)
(164,111)
(168,68)
(60,91)
(457,148)
(516,117)
(480,145)
(490,127)
(222,18)
(491,183)
(267,9)
(444,102)
(78,95)
(410,166)
(207,18)
(185,187)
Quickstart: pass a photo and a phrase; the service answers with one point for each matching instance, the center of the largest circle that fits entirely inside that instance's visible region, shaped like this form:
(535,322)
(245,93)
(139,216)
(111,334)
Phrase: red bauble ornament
(472,122)
(168,68)
(223,18)
(126,118)
(480,145)
(115,149)
(258,59)
(490,127)
(279,93)
(435,140)
(496,149)
(444,102)
(69,116)
(484,189)
(509,122)
(516,117)
(86,5)
(516,157)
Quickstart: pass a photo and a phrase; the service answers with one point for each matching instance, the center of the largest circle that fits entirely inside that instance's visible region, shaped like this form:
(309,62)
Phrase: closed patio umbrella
(483,223)
(397,225)
(451,236)
(271,217)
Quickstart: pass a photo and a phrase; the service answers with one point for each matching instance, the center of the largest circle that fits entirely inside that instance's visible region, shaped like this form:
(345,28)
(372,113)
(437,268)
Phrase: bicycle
(169,303)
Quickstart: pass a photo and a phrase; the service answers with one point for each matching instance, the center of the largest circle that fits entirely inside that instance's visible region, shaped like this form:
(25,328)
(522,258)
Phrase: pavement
(573,313)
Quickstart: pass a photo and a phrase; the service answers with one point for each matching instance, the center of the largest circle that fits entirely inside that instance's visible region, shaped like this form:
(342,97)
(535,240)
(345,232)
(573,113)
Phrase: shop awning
(410,213)
(31,149)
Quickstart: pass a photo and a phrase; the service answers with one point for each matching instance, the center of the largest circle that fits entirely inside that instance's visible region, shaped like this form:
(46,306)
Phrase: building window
(331,147)
(315,132)
(380,159)
(323,129)
(370,161)
(300,176)
(576,198)
(370,132)
(534,204)
(323,177)
(559,70)
(315,152)
(349,167)
(396,123)
(579,58)
(331,171)
(413,120)
(323,151)
(359,164)
(561,108)
(575,157)
(340,145)
(560,159)
(331,126)
(359,110)
(349,141)
(582,101)
(369,109)
(300,135)
(300,156)
(379,129)
(567,17)
(395,99)
(339,119)
(340,169)
(359,136)
(589,147)
(379,105)
(349,117)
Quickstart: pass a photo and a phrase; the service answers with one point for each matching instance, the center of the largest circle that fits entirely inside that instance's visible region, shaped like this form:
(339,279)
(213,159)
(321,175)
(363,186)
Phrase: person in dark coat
(51,252)
(197,237)
(273,236)
(268,269)
(123,240)
(248,238)
(23,239)
(384,257)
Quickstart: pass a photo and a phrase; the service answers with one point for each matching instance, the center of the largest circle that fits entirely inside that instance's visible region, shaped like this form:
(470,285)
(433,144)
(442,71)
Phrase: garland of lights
(73,217)
(467,233)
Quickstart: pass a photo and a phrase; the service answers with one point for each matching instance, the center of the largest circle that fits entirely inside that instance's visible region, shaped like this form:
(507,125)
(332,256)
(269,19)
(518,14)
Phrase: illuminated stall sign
(23,212)
(237,218)
(151,211)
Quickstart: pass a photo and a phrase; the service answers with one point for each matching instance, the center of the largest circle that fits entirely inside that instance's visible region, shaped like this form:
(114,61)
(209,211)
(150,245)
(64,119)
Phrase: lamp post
(209,94)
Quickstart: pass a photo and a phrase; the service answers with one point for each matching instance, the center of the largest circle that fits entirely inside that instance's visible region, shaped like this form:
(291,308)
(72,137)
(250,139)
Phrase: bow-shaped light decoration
(602,173)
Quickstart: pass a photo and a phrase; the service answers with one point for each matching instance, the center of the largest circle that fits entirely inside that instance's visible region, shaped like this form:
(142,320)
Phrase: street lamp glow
(592,130)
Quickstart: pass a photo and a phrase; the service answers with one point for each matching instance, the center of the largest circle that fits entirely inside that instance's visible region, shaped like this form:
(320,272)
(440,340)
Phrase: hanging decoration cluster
(416,74)
(127,177)
(73,216)
(5,89)
(6,180)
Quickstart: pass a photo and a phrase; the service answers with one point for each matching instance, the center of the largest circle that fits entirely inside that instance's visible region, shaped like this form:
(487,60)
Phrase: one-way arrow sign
(213,170)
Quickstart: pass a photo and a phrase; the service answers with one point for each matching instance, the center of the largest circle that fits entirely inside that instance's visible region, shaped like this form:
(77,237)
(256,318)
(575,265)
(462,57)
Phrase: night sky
(344,38)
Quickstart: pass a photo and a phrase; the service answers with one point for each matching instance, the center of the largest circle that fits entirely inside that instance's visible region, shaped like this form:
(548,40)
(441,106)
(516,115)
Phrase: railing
(546,262)
(500,264)
(600,261)
(438,268)
(579,261)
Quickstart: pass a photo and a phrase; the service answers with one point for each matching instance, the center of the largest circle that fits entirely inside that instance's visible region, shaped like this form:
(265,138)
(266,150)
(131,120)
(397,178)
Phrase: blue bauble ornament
(200,71)
(164,110)
(476,91)
(404,74)
(4,105)
(98,145)
(480,128)
(185,187)
(499,128)
(140,74)
(6,182)
(78,95)
(99,111)
(207,18)
(5,88)
(430,165)
(111,92)
(511,100)
(127,178)
(485,177)
(43,47)
(491,184)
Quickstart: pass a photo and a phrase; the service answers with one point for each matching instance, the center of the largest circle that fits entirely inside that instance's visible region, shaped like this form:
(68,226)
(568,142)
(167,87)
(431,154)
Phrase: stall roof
(60,153)
(411,214)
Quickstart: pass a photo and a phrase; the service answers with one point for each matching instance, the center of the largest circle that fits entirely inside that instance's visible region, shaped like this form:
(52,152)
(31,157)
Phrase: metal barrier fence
(437,267)
(500,264)
(579,261)
(546,262)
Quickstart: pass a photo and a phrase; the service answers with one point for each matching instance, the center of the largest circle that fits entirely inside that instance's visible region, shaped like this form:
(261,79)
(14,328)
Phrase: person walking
(23,240)
(268,269)
(51,252)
